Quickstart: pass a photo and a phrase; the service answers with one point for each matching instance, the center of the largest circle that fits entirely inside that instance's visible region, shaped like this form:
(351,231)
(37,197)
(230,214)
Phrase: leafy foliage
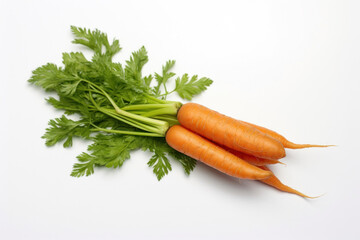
(166,75)
(112,150)
(64,128)
(95,40)
(95,89)
(187,89)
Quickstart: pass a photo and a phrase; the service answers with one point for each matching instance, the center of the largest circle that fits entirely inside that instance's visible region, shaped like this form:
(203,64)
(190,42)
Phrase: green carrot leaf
(166,75)
(71,104)
(69,88)
(49,77)
(95,40)
(85,167)
(75,62)
(186,162)
(160,163)
(65,129)
(187,89)
(135,64)
(111,150)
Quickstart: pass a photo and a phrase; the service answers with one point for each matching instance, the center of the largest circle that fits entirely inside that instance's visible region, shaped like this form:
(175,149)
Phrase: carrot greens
(118,108)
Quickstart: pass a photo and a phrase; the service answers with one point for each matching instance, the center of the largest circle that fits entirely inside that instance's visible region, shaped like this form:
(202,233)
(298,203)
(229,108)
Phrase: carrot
(209,153)
(276,183)
(229,132)
(282,139)
(252,159)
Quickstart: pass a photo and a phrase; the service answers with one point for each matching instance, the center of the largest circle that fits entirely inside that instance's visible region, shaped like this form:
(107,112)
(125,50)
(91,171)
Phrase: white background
(292,66)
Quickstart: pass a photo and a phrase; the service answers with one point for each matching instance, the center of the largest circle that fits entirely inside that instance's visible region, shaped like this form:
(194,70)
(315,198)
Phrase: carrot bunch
(234,147)
(119,109)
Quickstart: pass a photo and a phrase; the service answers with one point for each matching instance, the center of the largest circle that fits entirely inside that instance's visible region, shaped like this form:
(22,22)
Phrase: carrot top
(119,108)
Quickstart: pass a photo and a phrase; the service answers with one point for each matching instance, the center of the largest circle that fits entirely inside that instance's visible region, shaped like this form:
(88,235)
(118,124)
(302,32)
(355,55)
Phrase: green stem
(155,100)
(166,91)
(90,90)
(138,112)
(166,117)
(126,132)
(146,106)
(150,121)
(144,123)
(132,122)
(151,110)
(169,111)
(93,85)
(171,120)
(108,97)
(138,121)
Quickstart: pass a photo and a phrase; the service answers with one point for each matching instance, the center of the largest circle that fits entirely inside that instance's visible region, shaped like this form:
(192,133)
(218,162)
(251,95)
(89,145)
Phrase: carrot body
(252,159)
(229,132)
(286,143)
(209,153)
(276,183)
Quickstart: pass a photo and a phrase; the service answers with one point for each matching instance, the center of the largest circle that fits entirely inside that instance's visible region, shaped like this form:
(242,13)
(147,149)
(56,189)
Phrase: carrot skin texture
(276,183)
(201,149)
(229,132)
(252,159)
(282,139)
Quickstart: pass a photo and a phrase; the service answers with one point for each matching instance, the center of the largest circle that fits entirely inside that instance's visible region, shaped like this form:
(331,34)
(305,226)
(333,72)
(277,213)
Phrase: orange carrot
(209,153)
(229,132)
(252,159)
(276,183)
(282,139)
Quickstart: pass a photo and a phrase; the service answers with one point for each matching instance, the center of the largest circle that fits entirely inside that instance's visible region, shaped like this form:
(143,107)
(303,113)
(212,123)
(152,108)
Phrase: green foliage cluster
(119,110)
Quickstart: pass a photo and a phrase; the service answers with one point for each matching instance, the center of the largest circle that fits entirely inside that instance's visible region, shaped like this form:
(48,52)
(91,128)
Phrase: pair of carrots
(234,147)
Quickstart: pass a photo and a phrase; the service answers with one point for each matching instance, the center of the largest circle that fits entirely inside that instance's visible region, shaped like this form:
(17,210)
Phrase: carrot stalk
(282,139)
(229,132)
(276,183)
(211,154)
